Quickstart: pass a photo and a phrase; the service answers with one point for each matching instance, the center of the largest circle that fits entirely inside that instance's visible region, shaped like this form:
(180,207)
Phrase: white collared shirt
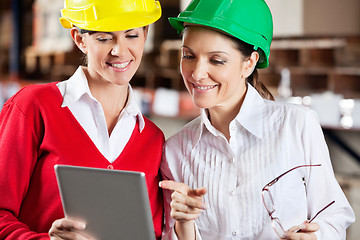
(266,139)
(90,115)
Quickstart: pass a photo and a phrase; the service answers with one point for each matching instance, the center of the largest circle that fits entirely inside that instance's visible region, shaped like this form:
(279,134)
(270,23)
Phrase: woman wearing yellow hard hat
(247,167)
(89,120)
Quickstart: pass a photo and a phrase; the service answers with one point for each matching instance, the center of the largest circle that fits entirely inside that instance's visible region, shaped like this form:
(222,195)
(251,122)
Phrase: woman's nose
(200,71)
(118,48)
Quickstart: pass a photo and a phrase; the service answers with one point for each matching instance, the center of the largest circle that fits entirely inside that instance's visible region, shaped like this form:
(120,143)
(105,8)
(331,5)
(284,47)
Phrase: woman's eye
(103,39)
(132,36)
(187,56)
(218,62)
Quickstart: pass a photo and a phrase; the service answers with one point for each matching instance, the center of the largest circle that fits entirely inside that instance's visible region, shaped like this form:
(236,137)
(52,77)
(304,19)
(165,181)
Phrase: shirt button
(233,160)
(233,193)
(110,166)
(233,233)
(233,128)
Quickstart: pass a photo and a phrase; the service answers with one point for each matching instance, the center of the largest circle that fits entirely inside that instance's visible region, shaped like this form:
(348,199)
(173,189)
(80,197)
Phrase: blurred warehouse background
(314,61)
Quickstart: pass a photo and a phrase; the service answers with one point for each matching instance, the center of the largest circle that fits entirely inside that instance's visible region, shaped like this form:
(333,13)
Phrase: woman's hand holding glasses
(305,231)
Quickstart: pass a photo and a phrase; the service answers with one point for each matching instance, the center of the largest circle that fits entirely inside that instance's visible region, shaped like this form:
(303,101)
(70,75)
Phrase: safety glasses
(268,201)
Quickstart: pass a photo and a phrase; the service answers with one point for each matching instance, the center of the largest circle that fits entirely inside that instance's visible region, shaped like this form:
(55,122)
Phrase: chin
(202,104)
(204,100)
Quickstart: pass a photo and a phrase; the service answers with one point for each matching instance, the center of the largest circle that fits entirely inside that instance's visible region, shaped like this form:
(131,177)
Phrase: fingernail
(302,226)
(160,184)
(82,226)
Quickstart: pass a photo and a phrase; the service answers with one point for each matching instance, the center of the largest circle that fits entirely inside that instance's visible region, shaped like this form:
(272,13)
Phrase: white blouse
(267,138)
(90,115)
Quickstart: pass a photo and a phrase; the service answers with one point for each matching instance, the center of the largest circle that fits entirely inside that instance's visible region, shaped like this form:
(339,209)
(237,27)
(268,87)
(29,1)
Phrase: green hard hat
(248,20)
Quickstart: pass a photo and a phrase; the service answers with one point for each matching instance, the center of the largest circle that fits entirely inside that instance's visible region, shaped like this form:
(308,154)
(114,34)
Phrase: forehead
(198,29)
(204,37)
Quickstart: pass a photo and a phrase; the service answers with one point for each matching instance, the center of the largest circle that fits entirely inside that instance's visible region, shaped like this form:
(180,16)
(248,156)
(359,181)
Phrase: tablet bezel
(114,204)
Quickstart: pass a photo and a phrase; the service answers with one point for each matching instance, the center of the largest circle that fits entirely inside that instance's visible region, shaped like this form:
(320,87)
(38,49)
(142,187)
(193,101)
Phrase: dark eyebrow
(129,30)
(97,32)
(213,52)
(110,33)
(92,32)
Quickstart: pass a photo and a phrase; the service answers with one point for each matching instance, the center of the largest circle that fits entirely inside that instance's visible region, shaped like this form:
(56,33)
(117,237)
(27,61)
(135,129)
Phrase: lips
(204,87)
(119,66)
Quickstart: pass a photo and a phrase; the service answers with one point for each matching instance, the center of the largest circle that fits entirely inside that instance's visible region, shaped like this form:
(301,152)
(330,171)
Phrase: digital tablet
(114,204)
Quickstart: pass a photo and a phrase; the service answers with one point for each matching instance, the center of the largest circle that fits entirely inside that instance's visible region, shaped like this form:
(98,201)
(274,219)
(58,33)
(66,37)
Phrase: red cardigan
(35,134)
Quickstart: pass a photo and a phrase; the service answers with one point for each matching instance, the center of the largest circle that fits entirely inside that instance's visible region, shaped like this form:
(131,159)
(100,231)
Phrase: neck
(221,116)
(110,95)
(112,98)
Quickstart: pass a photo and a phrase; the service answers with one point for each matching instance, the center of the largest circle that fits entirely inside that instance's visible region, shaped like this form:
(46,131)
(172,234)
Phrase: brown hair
(246,50)
(253,79)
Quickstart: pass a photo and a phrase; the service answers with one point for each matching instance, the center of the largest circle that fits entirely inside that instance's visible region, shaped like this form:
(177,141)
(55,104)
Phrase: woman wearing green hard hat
(89,120)
(247,167)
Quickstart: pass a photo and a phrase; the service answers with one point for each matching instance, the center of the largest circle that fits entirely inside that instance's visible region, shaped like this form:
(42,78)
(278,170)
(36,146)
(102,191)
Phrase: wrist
(185,229)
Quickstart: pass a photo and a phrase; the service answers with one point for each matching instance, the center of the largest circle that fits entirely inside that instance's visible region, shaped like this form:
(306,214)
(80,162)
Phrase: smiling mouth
(119,65)
(208,87)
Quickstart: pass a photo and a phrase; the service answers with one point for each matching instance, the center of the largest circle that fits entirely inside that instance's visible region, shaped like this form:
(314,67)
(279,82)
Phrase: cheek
(185,75)
(96,54)
(137,48)
(229,83)
(185,70)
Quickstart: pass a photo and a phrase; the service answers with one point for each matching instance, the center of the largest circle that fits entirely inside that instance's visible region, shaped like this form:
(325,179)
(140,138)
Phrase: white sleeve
(168,230)
(322,186)
(170,234)
(170,171)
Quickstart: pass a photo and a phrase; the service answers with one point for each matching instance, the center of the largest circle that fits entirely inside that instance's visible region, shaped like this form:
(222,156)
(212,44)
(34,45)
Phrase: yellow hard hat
(109,15)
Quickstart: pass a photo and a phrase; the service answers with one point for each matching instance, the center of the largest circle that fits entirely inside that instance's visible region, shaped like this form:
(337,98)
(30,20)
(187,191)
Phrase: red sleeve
(18,155)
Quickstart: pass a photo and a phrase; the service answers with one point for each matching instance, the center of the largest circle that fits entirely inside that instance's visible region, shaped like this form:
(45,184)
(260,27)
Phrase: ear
(250,64)
(78,39)
(146,30)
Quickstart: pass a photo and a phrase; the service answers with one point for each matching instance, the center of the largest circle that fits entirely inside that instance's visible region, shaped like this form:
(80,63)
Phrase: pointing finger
(200,191)
(175,186)
(182,188)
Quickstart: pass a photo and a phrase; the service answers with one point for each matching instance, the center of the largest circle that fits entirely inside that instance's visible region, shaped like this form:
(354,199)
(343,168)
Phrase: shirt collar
(250,116)
(77,86)
(132,108)
(199,130)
